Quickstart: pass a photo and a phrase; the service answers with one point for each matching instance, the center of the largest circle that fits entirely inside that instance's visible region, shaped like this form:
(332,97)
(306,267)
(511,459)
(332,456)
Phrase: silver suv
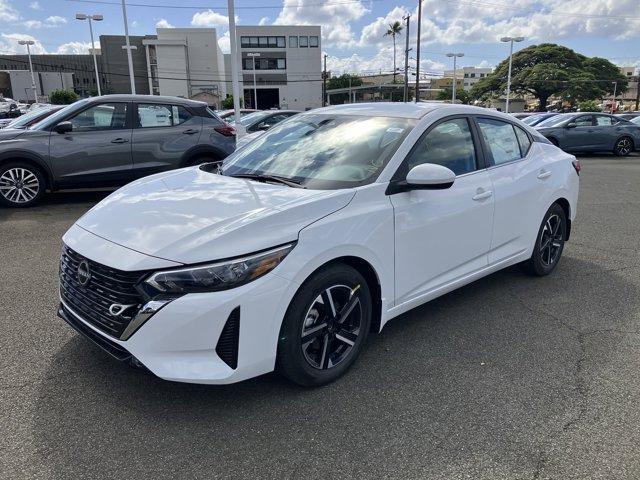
(108,141)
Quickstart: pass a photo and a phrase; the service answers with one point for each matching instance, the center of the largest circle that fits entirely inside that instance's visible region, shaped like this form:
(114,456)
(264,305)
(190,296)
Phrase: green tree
(62,97)
(548,69)
(343,81)
(589,106)
(395,29)
(447,92)
(227,103)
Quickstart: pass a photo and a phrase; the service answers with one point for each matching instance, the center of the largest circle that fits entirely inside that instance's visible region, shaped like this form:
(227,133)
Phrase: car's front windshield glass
(556,120)
(60,114)
(23,120)
(323,151)
(251,118)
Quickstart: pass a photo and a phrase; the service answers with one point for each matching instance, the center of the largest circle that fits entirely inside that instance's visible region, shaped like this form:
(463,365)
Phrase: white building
(17,84)
(186,62)
(469,75)
(288,66)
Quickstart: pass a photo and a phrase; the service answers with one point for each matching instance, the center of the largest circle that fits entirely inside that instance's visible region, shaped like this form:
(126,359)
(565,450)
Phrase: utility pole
(405,96)
(128,48)
(613,104)
(637,92)
(453,90)
(28,43)
(418,52)
(324,82)
(235,84)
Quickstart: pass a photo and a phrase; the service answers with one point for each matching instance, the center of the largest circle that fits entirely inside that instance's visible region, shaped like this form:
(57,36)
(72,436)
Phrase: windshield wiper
(269,178)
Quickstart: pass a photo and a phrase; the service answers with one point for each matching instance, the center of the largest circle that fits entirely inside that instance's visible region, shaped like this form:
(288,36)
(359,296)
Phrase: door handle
(190,131)
(544,174)
(119,140)
(482,194)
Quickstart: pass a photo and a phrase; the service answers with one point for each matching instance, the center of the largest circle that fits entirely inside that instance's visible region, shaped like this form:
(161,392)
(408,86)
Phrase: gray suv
(108,141)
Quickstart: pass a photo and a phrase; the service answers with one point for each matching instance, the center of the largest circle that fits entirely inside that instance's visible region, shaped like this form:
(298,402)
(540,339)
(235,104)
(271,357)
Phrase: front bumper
(181,341)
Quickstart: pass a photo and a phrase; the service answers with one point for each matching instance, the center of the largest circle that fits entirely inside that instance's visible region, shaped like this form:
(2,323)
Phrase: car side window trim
(401,172)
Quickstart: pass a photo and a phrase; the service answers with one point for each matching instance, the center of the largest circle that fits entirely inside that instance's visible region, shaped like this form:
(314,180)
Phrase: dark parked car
(628,116)
(535,119)
(106,141)
(30,118)
(229,115)
(265,119)
(591,132)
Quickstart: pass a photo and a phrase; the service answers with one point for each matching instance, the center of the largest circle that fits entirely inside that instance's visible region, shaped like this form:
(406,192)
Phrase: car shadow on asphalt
(494,365)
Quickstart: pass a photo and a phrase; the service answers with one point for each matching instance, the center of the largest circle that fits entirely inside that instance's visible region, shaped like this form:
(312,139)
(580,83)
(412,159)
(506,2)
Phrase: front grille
(105,287)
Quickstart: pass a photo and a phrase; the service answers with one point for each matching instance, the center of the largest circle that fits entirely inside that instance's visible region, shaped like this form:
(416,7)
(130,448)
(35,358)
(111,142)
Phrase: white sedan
(311,238)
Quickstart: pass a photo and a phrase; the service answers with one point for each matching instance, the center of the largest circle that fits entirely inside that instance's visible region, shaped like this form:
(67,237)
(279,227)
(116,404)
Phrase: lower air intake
(227,347)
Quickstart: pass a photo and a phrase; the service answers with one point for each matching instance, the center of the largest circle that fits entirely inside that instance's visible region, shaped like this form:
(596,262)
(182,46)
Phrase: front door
(442,235)
(162,135)
(580,136)
(97,150)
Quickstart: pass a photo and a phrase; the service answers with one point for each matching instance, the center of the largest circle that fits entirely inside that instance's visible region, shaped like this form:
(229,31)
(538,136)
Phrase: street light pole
(510,40)
(97,18)
(405,97)
(255,87)
(28,43)
(613,104)
(418,52)
(453,90)
(128,48)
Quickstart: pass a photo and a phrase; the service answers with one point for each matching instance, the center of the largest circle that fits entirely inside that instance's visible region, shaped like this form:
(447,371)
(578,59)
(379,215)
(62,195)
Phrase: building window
(281,64)
(313,41)
(293,42)
(265,63)
(262,42)
(303,42)
(280,42)
(473,75)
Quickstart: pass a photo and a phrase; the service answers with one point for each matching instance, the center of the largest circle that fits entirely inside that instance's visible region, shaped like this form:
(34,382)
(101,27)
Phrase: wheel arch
(566,207)
(201,151)
(31,159)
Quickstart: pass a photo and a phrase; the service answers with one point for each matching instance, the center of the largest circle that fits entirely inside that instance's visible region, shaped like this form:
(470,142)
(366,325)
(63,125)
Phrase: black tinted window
(449,144)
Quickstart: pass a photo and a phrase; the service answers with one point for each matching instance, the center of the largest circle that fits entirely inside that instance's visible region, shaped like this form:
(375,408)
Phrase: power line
(211,7)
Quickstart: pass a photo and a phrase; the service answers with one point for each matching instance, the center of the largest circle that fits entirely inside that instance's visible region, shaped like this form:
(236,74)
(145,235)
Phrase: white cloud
(264,21)
(35,6)
(224,42)
(56,20)
(32,24)
(74,48)
(163,23)
(7,12)
(373,33)
(134,24)
(9,43)
(209,18)
(379,63)
(335,19)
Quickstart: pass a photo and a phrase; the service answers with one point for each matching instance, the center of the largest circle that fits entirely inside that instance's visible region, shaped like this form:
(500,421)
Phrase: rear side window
(523,140)
(153,115)
(500,139)
(602,121)
(449,144)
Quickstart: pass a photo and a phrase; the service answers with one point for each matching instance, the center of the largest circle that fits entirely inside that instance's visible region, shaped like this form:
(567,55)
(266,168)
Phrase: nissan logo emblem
(84,274)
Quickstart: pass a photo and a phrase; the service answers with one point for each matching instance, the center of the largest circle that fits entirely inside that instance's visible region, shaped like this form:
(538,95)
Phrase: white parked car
(312,237)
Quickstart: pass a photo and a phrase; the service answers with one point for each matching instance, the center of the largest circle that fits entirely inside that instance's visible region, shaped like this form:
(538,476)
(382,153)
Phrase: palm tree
(395,28)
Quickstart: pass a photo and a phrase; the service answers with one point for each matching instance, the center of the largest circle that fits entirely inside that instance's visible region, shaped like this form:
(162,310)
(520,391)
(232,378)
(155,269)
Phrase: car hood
(190,215)
(10,133)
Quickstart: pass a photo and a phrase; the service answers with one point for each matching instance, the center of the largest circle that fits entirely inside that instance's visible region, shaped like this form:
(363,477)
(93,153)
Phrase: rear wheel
(21,185)
(549,243)
(623,147)
(325,327)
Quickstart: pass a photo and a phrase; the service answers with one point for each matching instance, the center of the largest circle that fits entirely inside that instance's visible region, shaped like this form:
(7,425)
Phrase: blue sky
(352,29)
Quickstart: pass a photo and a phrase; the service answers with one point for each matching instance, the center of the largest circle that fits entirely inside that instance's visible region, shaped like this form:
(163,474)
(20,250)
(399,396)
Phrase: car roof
(148,98)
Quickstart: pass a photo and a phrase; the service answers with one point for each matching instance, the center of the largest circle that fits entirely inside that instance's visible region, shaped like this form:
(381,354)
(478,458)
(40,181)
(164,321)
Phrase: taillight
(577,165)
(226,130)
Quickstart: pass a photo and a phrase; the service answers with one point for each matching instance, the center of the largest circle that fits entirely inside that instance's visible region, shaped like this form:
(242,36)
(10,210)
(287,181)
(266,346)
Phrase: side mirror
(427,176)
(571,125)
(63,127)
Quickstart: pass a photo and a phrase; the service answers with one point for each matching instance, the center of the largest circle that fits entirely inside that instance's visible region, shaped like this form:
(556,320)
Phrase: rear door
(605,131)
(162,134)
(97,150)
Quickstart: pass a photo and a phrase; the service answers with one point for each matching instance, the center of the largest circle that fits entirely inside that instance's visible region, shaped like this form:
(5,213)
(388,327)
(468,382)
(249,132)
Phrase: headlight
(217,276)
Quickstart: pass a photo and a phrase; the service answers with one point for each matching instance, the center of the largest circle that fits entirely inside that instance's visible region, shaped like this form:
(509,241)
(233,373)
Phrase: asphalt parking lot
(510,377)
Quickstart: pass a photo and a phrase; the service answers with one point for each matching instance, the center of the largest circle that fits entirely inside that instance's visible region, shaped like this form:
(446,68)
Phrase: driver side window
(449,144)
(106,116)
(584,121)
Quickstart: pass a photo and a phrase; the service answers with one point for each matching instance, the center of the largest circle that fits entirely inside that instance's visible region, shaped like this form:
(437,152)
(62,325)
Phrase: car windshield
(251,118)
(534,119)
(56,117)
(24,120)
(556,120)
(636,120)
(322,151)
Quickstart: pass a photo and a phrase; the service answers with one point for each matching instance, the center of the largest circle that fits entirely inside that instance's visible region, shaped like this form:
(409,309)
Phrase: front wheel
(21,185)
(325,327)
(623,147)
(549,243)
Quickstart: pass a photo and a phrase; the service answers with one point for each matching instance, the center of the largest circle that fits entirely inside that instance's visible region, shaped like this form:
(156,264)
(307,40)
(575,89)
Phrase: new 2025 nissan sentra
(312,237)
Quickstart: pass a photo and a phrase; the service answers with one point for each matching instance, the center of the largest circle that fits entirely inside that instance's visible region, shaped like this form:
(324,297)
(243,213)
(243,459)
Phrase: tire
(334,334)
(21,185)
(548,247)
(623,147)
